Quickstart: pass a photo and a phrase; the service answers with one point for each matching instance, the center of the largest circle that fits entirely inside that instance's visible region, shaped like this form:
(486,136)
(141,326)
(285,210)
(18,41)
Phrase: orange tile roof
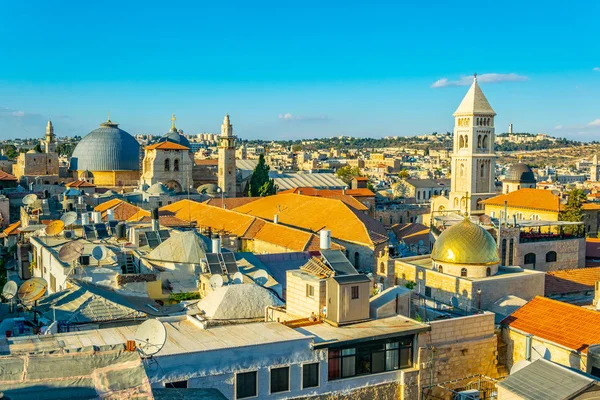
(361,178)
(565,324)
(316,213)
(206,162)
(571,280)
(535,199)
(590,206)
(12,229)
(5,176)
(330,194)
(79,183)
(166,145)
(230,203)
(107,204)
(123,210)
(362,192)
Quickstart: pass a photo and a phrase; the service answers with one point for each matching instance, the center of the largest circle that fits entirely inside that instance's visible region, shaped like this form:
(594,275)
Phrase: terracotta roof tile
(330,194)
(123,210)
(590,206)
(5,176)
(207,162)
(78,184)
(565,324)
(12,229)
(571,280)
(166,145)
(230,203)
(535,199)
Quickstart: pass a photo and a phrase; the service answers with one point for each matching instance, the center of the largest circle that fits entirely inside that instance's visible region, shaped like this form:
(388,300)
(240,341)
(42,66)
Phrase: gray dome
(157,188)
(520,173)
(175,137)
(210,189)
(107,148)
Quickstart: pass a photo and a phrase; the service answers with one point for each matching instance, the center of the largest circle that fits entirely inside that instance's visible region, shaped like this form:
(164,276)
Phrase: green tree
(260,184)
(572,210)
(38,148)
(347,173)
(11,151)
(404,174)
(65,149)
(297,147)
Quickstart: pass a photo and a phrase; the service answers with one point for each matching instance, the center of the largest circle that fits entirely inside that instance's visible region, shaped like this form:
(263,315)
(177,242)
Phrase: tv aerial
(99,253)
(261,277)
(70,253)
(32,290)
(55,228)
(238,278)
(215,281)
(150,337)
(29,199)
(69,218)
(9,291)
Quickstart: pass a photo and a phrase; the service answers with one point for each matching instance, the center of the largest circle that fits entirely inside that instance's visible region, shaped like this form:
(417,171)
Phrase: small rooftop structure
(245,301)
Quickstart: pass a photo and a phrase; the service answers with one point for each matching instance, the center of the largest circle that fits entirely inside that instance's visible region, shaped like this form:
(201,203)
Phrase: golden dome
(465,243)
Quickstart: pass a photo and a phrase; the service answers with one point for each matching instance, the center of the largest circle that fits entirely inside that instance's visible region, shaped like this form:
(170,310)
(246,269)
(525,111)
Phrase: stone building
(227,170)
(45,165)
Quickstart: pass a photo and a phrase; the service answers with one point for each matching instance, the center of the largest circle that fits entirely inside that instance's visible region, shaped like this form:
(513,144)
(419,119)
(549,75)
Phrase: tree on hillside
(347,173)
(260,184)
(38,148)
(572,210)
(404,174)
(10,151)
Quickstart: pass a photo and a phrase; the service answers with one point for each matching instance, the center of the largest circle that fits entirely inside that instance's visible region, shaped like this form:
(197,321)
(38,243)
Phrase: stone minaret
(50,142)
(227,170)
(473,159)
(594,170)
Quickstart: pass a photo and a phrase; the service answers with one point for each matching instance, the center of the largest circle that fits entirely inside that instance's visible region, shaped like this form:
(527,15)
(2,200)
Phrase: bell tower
(227,169)
(473,157)
(50,141)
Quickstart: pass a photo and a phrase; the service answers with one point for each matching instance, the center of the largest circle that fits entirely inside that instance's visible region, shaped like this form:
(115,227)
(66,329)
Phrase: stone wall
(297,302)
(569,254)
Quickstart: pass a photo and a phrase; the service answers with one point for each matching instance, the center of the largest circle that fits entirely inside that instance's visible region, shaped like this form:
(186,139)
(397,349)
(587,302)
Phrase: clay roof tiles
(535,199)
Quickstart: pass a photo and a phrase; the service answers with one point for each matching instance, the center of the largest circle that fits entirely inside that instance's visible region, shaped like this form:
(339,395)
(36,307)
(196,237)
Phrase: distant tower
(594,170)
(473,159)
(50,142)
(227,171)
(510,128)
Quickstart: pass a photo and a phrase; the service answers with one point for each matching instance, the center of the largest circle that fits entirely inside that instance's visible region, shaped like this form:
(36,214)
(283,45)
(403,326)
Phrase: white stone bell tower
(50,142)
(227,169)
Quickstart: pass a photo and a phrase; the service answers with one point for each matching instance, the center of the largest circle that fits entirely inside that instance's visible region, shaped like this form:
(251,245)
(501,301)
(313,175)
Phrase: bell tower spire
(50,140)
(227,169)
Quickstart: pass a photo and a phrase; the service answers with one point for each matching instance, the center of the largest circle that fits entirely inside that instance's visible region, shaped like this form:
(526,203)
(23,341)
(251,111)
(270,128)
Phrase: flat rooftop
(326,335)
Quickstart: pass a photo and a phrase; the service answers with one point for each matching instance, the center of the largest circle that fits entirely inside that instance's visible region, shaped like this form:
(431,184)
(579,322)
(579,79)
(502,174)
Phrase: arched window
(382,268)
(167,165)
(455,203)
(391,220)
(440,269)
(511,251)
(176,165)
(463,272)
(462,169)
(482,170)
(488,271)
(479,141)
(503,251)
(484,143)
(356,259)
(529,258)
(461,142)
(551,256)
(466,141)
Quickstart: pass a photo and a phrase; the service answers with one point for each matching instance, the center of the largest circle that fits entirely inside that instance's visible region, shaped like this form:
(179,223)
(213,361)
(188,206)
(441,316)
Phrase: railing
(526,237)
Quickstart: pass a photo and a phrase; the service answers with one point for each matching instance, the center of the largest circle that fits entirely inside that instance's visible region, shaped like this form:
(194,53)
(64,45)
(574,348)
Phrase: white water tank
(325,239)
(110,214)
(85,219)
(97,217)
(216,244)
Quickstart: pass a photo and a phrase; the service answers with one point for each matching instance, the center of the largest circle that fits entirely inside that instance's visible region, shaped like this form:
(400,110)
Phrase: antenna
(9,290)
(261,277)
(70,252)
(215,281)
(55,228)
(99,253)
(69,218)
(540,352)
(32,290)
(30,199)
(150,337)
(238,278)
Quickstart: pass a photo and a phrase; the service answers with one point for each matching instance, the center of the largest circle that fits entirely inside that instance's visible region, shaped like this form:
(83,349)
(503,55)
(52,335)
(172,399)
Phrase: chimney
(528,341)
(85,219)
(110,214)
(276,219)
(299,191)
(97,217)
(344,190)
(155,225)
(325,239)
(216,244)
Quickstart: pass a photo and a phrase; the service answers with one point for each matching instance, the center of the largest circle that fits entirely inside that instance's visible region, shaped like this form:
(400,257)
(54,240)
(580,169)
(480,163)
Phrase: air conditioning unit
(472,394)
(69,235)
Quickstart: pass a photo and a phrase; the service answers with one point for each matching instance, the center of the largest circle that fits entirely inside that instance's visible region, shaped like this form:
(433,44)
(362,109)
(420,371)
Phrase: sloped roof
(292,180)
(571,280)
(12,229)
(535,199)
(79,184)
(571,326)
(5,176)
(331,194)
(185,248)
(243,301)
(167,145)
(317,213)
(474,102)
(122,209)
(231,202)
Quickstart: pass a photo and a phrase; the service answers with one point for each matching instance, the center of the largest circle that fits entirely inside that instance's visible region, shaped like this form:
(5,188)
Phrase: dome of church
(86,175)
(157,188)
(465,243)
(107,148)
(520,173)
(175,137)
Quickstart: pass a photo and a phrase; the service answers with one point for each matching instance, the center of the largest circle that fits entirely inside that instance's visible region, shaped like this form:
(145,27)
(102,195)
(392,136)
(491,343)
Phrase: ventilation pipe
(528,341)
(216,244)
(110,214)
(85,218)
(155,224)
(97,217)
(344,190)
(276,219)
(325,239)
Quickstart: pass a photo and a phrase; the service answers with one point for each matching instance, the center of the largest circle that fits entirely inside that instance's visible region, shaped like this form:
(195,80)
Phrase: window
(167,165)
(310,290)
(354,292)
(176,385)
(310,375)
(382,268)
(280,379)
(503,251)
(488,271)
(427,291)
(371,358)
(551,256)
(176,165)
(356,259)
(246,385)
(52,283)
(440,269)
(463,272)
(529,258)
(511,247)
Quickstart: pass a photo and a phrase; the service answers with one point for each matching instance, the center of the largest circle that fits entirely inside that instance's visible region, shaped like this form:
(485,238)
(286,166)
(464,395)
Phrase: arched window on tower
(167,164)
(462,169)
(479,141)
(461,142)
(176,165)
(482,170)
(484,142)
(503,252)
(466,141)
(463,272)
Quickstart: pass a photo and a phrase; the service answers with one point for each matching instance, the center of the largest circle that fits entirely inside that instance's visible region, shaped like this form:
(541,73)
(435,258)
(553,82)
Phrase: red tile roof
(565,324)
(571,280)
(536,199)
(207,162)
(77,184)
(166,145)
(5,176)
(330,194)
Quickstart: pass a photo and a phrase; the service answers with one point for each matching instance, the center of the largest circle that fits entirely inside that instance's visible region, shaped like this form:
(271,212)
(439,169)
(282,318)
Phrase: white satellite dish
(150,337)
(99,253)
(70,252)
(9,290)
(519,366)
(539,351)
(30,199)
(238,278)
(69,218)
(215,281)
(261,277)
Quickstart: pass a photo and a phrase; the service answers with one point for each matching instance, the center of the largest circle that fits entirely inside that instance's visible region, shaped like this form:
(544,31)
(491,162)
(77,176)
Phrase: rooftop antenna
(99,253)
(238,278)
(150,338)
(261,277)
(9,291)
(70,253)
(215,281)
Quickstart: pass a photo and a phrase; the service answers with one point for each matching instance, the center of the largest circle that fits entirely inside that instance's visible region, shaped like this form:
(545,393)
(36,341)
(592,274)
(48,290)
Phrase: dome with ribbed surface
(465,243)
(520,173)
(175,137)
(107,148)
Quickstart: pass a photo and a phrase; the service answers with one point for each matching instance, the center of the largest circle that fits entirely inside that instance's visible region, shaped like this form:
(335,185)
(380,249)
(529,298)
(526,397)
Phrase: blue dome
(107,148)
(175,137)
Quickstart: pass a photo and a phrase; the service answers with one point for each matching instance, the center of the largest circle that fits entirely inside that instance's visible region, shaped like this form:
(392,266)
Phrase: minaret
(227,170)
(473,158)
(594,169)
(50,142)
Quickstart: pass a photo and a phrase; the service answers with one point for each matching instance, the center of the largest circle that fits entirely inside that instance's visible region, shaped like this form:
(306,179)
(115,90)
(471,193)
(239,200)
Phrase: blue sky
(297,69)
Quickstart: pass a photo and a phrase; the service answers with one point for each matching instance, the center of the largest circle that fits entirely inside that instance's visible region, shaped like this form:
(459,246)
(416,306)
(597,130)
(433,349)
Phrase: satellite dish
(9,290)
(215,281)
(55,228)
(238,278)
(30,199)
(99,253)
(455,302)
(519,366)
(70,252)
(69,218)
(539,351)
(32,289)
(261,277)
(150,337)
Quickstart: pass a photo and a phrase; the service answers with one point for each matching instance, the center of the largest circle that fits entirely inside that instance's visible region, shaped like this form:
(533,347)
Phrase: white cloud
(291,117)
(558,127)
(18,113)
(597,69)
(483,78)
(594,123)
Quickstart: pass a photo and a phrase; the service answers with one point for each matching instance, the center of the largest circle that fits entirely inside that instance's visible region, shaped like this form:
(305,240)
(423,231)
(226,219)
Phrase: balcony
(560,232)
